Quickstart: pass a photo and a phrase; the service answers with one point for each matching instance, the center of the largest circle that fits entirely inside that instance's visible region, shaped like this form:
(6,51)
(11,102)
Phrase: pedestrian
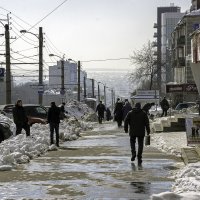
(147,107)
(100,110)
(62,111)
(126,108)
(20,118)
(54,119)
(118,112)
(165,106)
(137,121)
(108,114)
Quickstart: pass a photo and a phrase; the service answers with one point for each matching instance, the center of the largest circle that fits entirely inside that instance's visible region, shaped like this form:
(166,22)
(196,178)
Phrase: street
(96,166)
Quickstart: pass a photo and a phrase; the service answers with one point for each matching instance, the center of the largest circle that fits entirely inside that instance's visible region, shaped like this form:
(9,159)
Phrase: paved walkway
(96,166)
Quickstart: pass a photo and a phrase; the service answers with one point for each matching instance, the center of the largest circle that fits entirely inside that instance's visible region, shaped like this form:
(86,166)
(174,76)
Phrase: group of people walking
(135,119)
(55,114)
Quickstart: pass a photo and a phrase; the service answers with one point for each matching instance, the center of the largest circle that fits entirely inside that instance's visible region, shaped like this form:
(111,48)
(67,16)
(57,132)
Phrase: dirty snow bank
(20,149)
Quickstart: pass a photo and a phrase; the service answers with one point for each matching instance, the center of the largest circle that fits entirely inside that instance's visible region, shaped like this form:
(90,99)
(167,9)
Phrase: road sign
(2,70)
(40,89)
(62,91)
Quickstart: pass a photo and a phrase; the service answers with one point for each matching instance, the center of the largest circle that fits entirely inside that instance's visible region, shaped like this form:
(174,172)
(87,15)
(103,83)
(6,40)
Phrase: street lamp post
(40,85)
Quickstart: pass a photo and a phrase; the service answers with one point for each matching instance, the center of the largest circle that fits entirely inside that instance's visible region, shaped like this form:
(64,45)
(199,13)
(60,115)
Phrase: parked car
(35,113)
(180,106)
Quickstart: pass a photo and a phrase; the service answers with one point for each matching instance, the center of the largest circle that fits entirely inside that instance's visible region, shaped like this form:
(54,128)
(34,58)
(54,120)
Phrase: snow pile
(170,143)
(173,196)
(78,110)
(20,149)
(188,179)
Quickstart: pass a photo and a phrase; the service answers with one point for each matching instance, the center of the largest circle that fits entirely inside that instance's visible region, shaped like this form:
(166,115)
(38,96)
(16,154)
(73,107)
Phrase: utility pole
(62,90)
(104,95)
(8,72)
(40,97)
(92,88)
(98,93)
(79,81)
(85,95)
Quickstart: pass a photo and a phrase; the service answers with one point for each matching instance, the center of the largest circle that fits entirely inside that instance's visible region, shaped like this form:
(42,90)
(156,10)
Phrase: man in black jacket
(20,118)
(100,109)
(54,120)
(137,120)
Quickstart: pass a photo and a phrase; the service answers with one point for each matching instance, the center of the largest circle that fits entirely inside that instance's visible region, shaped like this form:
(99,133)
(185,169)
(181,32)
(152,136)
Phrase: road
(96,166)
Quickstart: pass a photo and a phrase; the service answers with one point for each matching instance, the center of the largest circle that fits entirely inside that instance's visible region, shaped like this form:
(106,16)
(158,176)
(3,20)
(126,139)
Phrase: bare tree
(145,70)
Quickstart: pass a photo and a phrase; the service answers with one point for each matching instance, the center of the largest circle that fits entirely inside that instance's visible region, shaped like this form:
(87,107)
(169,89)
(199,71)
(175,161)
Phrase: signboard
(190,88)
(193,131)
(2,70)
(40,89)
(147,92)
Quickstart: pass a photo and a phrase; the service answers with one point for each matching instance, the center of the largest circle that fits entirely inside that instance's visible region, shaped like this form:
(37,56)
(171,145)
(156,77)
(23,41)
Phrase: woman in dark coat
(127,107)
(118,112)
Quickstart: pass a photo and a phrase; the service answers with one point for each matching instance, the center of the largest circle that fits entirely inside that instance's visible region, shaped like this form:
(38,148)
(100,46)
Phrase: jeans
(54,126)
(140,146)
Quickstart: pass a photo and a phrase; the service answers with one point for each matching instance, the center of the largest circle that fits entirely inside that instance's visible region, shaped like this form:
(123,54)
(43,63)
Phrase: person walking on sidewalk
(100,109)
(126,108)
(165,106)
(118,112)
(136,121)
(20,118)
(54,119)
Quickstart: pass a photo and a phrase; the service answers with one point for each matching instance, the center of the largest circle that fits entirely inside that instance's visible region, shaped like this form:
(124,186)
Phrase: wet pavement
(96,166)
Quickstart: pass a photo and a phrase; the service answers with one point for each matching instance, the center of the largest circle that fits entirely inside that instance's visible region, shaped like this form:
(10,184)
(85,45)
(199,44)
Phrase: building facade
(158,36)
(168,23)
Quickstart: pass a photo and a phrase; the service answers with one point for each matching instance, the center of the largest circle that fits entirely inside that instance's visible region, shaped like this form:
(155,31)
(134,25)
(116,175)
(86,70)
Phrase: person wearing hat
(20,118)
(165,106)
(53,119)
(137,121)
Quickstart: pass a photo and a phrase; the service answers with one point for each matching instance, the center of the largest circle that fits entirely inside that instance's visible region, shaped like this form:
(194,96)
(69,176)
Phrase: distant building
(168,23)
(70,75)
(158,35)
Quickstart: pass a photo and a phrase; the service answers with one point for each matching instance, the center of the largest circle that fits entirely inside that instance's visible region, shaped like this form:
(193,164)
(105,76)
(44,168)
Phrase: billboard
(186,87)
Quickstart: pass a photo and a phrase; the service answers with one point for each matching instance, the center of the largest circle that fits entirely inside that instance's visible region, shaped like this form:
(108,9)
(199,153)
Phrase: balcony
(155,35)
(181,61)
(155,25)
(181,40)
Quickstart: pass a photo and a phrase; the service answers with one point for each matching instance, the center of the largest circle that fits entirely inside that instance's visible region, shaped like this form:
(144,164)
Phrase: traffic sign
(62,91)
(2,70)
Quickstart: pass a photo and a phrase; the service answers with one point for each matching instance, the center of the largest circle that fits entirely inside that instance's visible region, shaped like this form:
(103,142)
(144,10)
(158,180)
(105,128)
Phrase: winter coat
(164,104)
(100,109)
(118,112)
(127,107)
(19,115)
(146,108)
(137,120)
(53,115)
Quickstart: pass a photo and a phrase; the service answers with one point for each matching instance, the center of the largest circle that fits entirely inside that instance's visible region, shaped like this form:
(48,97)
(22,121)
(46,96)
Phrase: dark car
(181,106)
(36,113)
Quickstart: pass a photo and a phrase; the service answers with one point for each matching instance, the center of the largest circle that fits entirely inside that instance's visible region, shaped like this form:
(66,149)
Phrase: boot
(133,156)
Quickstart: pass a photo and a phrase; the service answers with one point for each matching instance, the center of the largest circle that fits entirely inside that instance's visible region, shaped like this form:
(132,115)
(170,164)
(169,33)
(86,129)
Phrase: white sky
(91,29)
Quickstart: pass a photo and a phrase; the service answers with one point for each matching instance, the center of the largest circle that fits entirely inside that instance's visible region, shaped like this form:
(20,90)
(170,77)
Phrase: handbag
(147,140)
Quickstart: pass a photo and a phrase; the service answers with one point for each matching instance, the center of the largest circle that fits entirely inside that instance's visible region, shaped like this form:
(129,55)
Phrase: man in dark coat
(137,120)
(54,120)
(100,109)
(126,108)
(118,112)
(165,106)
(20,118)
(108,114)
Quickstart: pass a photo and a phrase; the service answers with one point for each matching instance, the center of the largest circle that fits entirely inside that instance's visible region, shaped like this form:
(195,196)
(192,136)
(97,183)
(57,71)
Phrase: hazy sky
(89,29)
